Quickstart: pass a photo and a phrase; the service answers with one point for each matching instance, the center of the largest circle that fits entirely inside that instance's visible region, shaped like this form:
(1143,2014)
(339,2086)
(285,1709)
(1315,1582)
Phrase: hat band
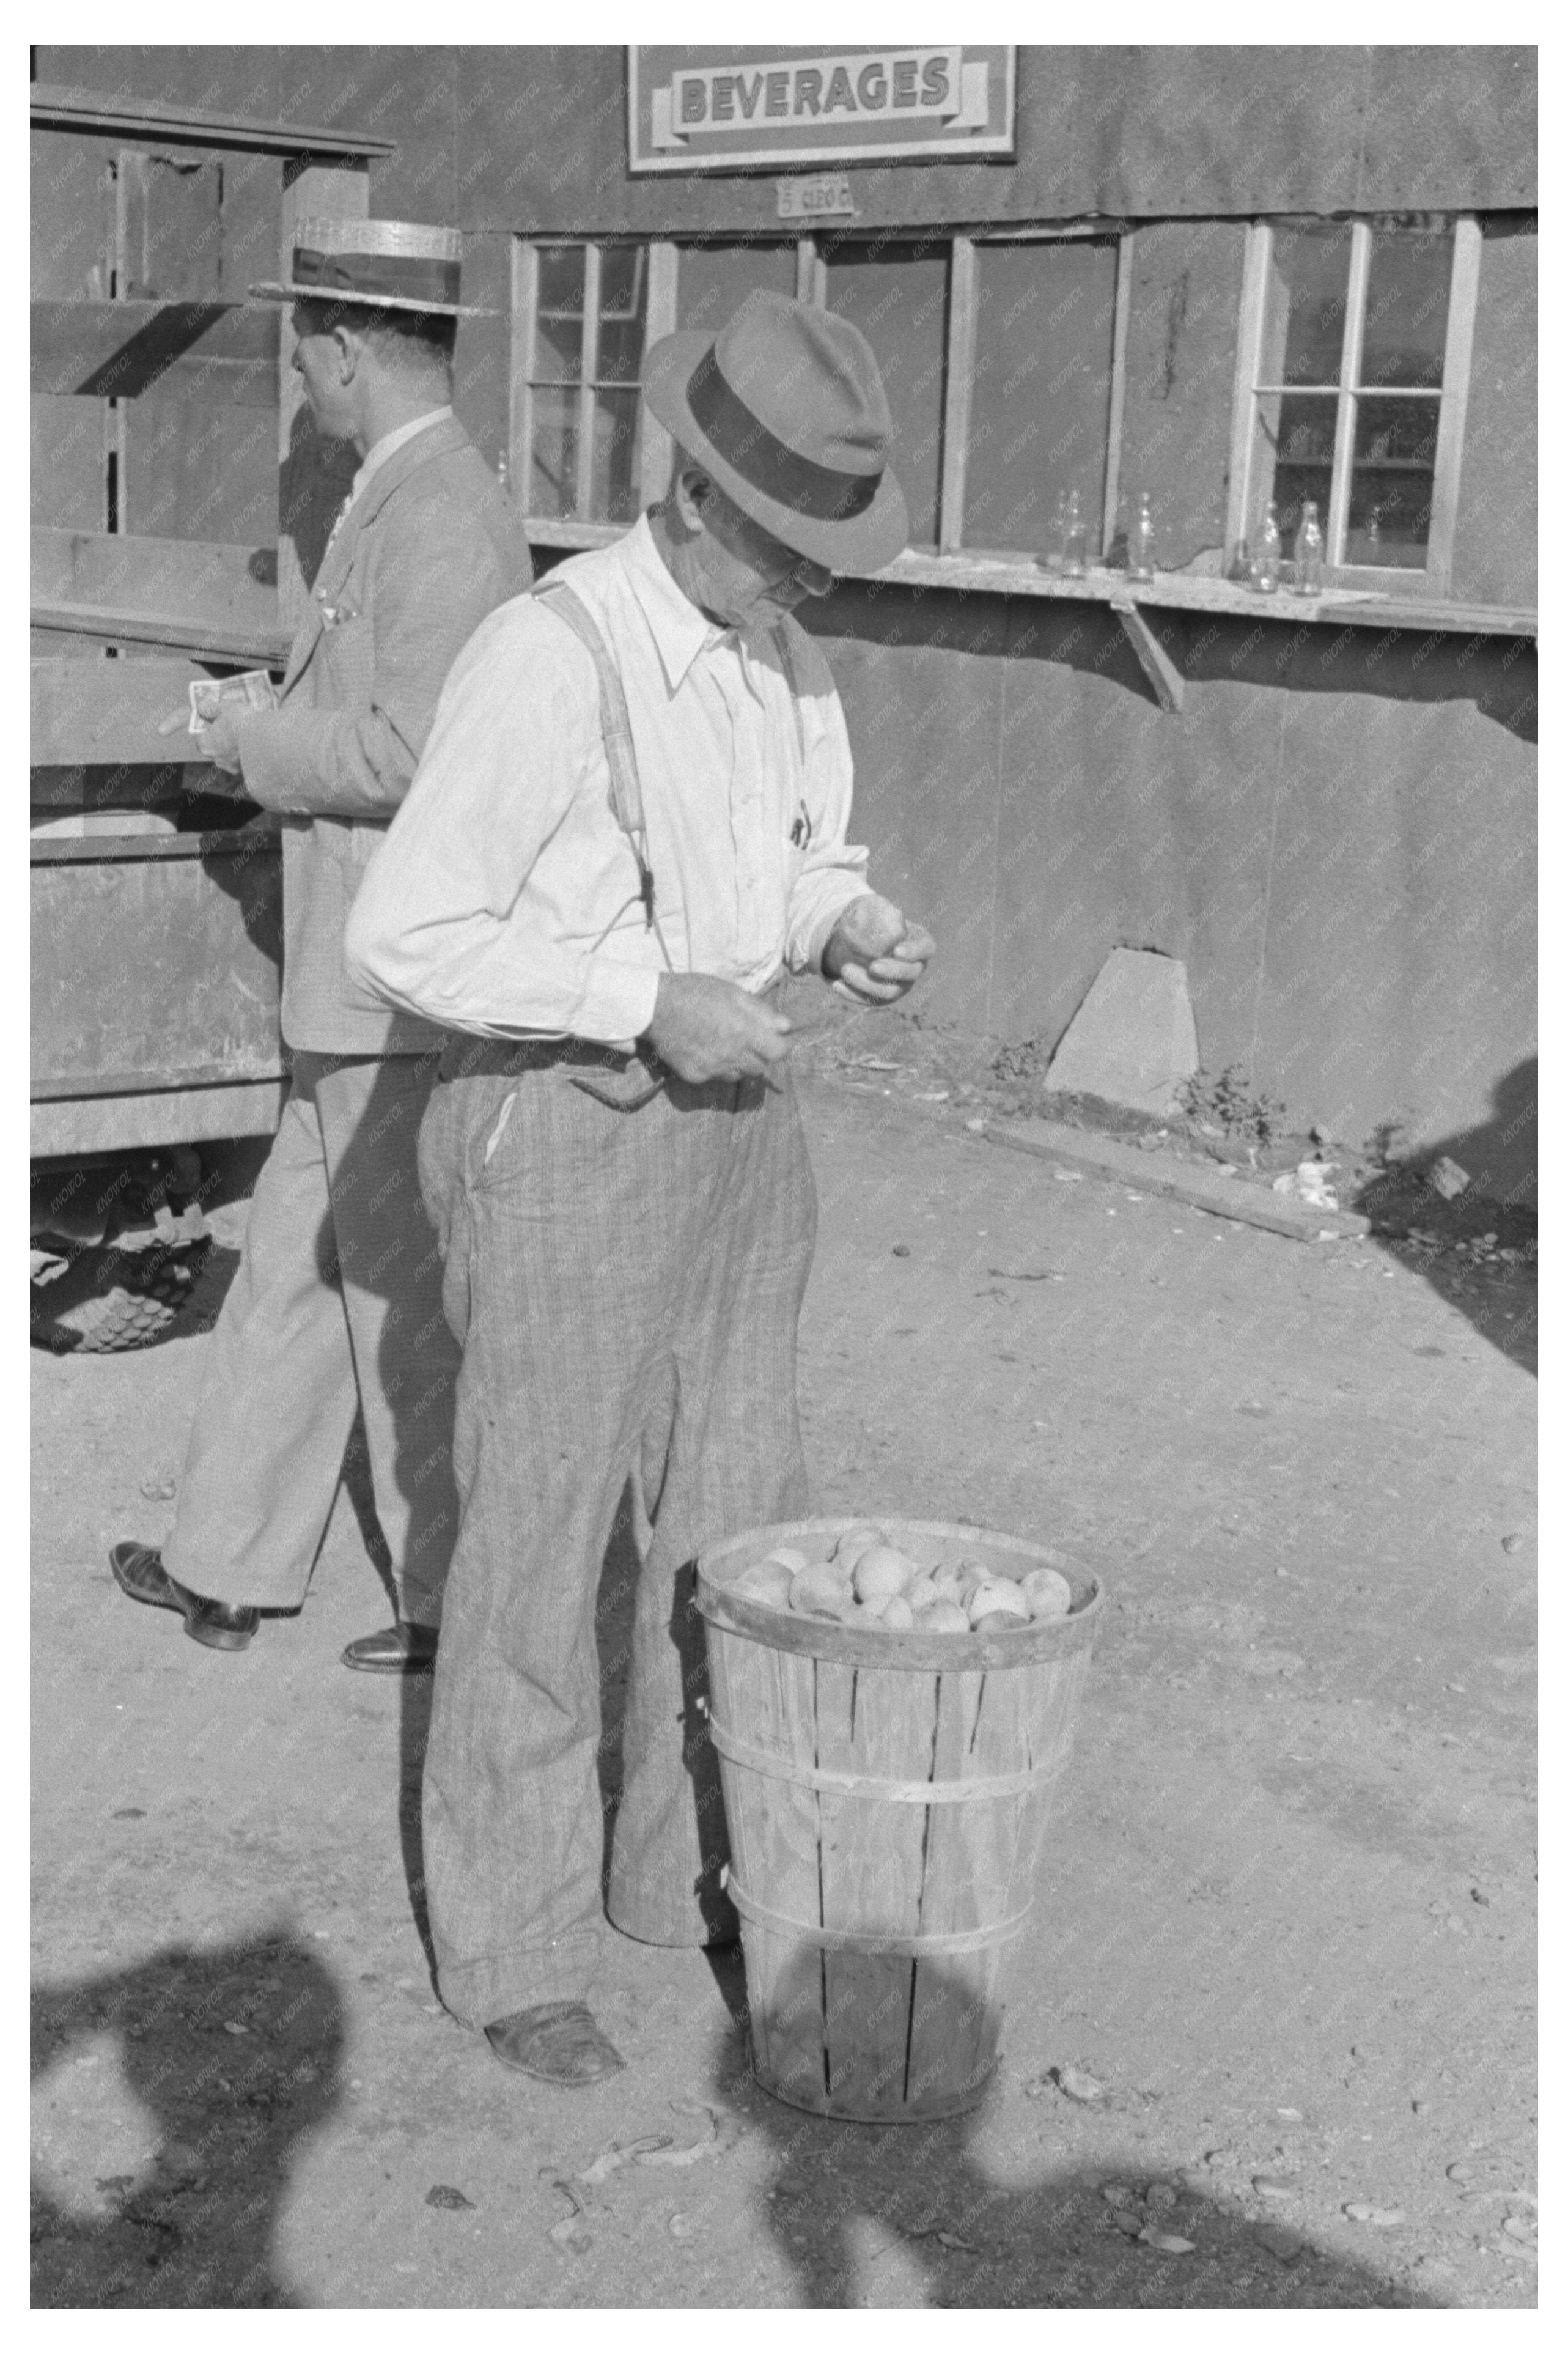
(769,465)
(390,277)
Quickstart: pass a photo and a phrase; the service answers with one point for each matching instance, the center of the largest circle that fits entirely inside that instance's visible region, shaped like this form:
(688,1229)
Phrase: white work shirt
(504,898)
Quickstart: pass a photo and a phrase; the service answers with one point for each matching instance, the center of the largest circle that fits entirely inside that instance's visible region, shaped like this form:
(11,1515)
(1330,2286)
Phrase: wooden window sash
(525,345)
(1463,287)
(660,314)
(1111,501)
(1244,500)
(1245,426)
(1337,520)
(958,391)
(586,394)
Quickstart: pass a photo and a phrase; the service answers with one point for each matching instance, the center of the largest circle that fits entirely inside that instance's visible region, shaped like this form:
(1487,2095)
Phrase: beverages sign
(713,110)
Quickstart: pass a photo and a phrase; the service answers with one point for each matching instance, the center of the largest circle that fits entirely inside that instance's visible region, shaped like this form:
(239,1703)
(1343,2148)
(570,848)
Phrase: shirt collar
(681,630)
(376,457)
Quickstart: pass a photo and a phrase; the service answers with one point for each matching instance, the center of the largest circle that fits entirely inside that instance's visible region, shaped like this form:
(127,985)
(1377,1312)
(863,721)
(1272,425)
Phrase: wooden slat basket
(886,1801)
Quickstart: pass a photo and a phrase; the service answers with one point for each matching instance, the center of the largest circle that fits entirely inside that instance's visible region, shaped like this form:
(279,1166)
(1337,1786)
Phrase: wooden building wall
(1337,831)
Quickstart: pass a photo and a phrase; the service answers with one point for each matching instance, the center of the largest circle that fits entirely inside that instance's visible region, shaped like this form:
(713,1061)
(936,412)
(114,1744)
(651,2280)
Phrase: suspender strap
(615,721)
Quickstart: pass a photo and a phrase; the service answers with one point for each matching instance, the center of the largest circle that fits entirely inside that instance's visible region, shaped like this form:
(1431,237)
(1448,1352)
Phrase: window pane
(1041,409)
(713,281)
(623,275)
(1304,317)
(1407,306)
(557,350)
(1391,486)
(553,488)
(1297,431)
(620,351)
(899,302)
(561,278)
(617,452)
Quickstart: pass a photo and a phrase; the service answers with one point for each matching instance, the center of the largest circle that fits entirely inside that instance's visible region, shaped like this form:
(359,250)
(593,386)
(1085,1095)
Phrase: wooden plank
(203,578)
(260,644)
(159,968)
(119,350)
(1234,1197)
(1157,665)
(1463,288)
(876,1723)
(169,1116)
(87,713)
(56,108)
(313,475)
(963,319)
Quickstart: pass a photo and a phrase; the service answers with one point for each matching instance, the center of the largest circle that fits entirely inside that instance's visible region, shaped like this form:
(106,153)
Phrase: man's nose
(295,362)
(814,578)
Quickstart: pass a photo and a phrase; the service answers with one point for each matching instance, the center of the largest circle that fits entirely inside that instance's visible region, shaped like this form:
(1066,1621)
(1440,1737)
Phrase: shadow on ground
(846,2200)
(228,2059)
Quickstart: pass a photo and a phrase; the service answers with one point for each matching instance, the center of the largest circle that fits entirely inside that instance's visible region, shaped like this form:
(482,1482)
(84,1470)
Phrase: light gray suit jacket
(422,557)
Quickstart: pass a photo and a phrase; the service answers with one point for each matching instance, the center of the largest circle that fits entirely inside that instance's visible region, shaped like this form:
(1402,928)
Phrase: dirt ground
(1287,1919)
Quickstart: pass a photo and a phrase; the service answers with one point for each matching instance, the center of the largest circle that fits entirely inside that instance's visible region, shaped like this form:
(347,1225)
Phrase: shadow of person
(198,2073)
(908,2212)
(1498,1155)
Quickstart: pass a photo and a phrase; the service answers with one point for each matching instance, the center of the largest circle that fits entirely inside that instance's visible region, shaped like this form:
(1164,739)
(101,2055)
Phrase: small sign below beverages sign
(698,109)
(824,196)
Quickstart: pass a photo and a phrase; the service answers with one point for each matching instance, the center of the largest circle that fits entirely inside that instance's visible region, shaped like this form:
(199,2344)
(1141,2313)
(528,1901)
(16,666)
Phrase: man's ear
(692,490)
(349,348)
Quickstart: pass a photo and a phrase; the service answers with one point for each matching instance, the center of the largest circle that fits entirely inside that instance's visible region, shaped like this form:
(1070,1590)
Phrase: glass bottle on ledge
(1308,580)
(1074,539)
(1050,559)
(1140,544)
(1266,562)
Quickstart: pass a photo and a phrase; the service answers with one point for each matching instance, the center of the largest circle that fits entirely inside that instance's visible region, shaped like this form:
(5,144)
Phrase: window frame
(958,350)
(1250,466)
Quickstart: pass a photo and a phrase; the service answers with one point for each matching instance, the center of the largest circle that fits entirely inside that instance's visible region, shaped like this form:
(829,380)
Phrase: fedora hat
(386,265)
(785,408)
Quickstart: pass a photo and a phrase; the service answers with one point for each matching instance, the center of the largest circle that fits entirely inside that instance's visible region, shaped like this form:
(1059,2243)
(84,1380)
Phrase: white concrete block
(1133,1040)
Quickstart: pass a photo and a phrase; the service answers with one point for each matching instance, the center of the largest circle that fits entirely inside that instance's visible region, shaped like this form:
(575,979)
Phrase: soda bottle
(1140,544)
(1265,563)
(1074,538)
(1309,552)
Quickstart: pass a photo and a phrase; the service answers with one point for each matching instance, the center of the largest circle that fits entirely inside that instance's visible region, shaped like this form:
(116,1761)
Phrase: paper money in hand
(252,690)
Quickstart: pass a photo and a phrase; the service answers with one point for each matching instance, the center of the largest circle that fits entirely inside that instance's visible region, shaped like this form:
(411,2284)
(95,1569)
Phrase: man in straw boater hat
(630,819)
(336,1305)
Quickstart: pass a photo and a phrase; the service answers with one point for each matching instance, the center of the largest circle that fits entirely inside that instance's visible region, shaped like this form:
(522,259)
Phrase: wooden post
(963,317)
(312,476)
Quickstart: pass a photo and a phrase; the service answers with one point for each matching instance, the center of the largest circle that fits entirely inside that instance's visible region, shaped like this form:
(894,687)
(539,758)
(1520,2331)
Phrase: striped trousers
(625,1281)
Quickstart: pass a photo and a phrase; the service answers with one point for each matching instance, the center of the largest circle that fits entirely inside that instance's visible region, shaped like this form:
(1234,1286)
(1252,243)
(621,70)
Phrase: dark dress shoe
(139,1571)
(404,1649)
(559,2042)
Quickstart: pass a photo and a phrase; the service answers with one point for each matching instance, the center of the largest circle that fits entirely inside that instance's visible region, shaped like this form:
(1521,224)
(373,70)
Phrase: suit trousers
(336,1304)
(626,1283)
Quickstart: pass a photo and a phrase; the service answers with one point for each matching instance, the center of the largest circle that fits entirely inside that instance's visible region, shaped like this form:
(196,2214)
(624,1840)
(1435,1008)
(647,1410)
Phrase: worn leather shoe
(404,1649)
(138,1571)
(559,2042)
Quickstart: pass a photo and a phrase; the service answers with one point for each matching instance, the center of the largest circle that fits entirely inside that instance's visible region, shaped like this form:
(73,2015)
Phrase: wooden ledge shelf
(1185,592)
(54,107)
(265,646)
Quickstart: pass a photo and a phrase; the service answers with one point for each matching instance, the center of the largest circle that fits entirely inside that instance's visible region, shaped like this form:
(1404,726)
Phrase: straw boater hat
(785,408)
(386,265)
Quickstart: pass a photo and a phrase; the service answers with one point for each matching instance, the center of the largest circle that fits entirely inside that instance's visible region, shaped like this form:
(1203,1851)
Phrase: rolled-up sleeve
(431,928)
(833,871)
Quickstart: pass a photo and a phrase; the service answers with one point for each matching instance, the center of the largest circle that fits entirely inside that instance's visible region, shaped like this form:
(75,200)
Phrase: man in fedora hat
(336,1307)
(620,836)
